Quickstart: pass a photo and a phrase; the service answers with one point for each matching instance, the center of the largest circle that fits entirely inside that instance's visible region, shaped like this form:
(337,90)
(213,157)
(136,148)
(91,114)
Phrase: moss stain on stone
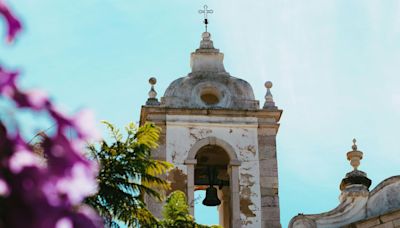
(178,180)
(245,201)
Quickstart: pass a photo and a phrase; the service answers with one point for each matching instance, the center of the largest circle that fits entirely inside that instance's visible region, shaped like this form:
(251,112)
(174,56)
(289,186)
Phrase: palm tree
(128,172)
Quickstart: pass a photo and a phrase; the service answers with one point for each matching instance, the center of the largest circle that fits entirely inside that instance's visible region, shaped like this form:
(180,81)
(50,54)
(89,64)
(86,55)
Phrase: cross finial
(206,11)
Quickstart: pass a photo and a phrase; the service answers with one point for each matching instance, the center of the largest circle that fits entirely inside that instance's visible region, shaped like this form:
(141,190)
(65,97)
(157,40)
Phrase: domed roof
(209,85)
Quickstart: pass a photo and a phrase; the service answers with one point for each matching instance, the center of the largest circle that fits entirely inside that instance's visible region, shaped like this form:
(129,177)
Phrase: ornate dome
(209,85)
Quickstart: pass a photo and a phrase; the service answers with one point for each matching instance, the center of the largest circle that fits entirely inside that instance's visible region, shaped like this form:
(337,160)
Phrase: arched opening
(211,171)
(212,150)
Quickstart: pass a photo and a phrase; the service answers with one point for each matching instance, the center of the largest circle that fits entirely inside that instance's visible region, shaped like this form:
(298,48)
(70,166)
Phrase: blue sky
(334,64)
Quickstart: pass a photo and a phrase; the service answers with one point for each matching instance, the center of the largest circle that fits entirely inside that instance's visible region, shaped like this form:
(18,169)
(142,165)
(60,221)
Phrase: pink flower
(34,98)
(14,26)
(64,223)
(46,189)
(4,189)
(37,99)
(7,82)
(79,184)
(22,159)
(84,123)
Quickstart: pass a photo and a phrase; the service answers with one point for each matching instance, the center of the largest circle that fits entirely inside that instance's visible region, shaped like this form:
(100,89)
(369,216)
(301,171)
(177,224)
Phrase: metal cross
(206,11)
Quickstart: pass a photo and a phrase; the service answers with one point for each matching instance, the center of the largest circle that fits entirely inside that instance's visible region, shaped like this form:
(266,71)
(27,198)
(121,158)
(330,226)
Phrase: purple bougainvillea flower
(84,123)
(14,25)
(64,223)
(7,82)
(34,99)
(37,99)
(78,185)
(23,158)
(4,189)
(46,188)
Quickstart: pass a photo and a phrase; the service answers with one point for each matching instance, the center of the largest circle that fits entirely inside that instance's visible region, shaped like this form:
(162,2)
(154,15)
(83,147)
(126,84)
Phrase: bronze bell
(211,197)
(211,192)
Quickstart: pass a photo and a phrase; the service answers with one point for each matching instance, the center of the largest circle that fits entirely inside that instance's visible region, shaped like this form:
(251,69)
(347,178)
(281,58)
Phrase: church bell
(211,197)
(211,192)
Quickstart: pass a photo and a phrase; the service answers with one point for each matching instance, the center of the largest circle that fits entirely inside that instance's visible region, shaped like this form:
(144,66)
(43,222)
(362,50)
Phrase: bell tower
(219,140)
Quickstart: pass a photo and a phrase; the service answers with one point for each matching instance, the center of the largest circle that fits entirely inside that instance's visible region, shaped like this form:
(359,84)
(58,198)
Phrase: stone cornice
(262,114)
(357,205)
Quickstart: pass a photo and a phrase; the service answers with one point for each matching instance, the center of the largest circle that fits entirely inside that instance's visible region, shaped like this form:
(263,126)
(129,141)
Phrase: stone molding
(388,220)
(357,204)
(266,118)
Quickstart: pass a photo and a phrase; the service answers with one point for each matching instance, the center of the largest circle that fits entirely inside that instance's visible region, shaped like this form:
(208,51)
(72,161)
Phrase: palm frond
(127,173)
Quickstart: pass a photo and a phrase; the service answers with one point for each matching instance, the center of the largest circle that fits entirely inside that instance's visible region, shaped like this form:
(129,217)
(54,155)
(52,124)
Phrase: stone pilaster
(155,206)
(268,174)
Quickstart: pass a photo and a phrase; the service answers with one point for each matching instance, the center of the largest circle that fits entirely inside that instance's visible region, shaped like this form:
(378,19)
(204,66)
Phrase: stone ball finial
(269,100)
(206,42)
(152,81)
(152,100)
(206,36)
(268,84)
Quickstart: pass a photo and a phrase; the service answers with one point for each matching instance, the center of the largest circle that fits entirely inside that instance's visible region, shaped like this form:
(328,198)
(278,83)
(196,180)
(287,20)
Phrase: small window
(209,98)
(210,95)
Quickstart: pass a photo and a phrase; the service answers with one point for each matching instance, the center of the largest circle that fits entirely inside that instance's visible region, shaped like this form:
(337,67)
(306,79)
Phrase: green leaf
(127,171)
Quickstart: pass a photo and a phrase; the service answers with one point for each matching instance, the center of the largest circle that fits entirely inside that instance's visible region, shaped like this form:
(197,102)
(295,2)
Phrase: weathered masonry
(359,207)
(217,137)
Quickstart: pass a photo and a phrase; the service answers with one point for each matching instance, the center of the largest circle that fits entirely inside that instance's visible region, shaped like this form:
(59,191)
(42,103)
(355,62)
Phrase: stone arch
(234,164)
(214,141)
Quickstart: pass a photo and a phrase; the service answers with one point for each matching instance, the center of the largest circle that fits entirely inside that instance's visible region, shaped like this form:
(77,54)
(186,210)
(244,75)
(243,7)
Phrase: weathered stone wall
(359,207)
(250,135)
(241,133)
(389,220)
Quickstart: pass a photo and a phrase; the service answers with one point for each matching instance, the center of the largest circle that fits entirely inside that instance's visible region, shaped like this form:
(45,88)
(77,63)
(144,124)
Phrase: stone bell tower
(215,134)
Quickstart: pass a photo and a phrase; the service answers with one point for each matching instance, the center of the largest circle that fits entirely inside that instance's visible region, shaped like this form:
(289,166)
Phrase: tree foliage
(127,173)
(176,213)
